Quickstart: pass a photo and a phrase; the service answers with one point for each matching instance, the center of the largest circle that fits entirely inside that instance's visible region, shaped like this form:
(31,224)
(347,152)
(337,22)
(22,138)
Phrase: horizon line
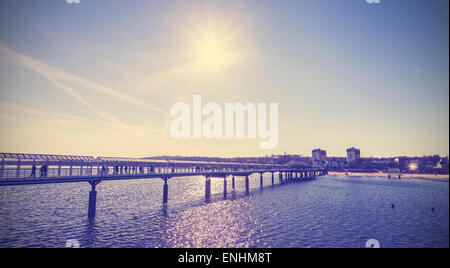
(229,157)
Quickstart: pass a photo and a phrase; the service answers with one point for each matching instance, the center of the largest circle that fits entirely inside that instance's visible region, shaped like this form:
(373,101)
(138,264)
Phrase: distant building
(394,172)
(319,155)
(337,163)
(353,154)
(319,158)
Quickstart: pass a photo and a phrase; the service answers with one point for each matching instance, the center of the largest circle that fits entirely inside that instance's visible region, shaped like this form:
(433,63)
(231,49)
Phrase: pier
(17,169)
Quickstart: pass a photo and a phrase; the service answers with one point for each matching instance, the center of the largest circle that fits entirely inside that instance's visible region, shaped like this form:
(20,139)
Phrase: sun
(413,166)
(211,53)
(211,41)
(212,44)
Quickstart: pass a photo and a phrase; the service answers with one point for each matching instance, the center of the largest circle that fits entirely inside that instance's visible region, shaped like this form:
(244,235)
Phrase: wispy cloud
(60,78)
(103,131)
(10,108)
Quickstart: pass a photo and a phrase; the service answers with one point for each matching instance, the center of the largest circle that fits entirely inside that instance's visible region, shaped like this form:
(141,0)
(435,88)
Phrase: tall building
(319,155)
(353,154)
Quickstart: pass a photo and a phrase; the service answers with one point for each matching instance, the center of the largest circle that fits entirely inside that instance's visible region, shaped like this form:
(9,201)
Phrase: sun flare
(211,53)
(213,43)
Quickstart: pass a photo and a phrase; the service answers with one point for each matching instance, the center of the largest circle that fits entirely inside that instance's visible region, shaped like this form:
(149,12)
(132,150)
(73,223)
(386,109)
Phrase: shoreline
(438,177)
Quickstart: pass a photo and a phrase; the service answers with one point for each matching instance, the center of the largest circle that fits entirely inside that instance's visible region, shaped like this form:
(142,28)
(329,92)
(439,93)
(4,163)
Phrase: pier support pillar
(232,183)
(225,188)
(165,191)
(208,189)
(247,185)
(261,182)
(273,179)
(3,167)
(18,169)
(280,177)
(92,199)
(59,168)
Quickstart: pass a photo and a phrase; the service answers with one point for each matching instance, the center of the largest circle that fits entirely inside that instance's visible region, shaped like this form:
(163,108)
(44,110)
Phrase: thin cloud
(57,76)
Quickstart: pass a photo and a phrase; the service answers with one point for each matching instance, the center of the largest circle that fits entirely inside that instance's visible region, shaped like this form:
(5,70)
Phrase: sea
(325,212)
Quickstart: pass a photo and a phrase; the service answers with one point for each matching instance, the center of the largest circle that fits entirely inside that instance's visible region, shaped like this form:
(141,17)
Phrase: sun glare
(413,166)
(212,42)
(211,53)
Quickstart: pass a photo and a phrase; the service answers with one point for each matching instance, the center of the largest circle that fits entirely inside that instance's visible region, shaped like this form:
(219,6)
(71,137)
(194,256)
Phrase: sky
(99,77)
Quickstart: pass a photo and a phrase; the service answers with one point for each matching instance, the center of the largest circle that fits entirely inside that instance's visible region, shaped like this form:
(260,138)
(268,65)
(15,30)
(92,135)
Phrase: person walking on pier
(33,171)
(41,171)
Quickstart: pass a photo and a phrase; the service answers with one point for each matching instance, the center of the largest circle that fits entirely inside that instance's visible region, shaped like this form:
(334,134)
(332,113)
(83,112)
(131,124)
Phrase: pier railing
(22,165)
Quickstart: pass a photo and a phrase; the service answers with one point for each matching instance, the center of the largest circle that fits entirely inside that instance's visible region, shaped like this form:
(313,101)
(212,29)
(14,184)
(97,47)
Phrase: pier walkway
(31,169)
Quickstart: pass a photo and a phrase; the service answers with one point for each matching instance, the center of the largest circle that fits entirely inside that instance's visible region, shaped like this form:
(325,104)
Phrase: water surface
(325,212)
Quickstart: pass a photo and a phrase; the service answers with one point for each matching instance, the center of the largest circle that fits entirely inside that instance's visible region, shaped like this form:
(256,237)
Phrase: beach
(437,177)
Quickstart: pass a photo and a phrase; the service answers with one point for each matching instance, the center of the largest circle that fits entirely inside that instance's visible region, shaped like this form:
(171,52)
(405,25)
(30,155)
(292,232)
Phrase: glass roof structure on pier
(45,157)
(51,157)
